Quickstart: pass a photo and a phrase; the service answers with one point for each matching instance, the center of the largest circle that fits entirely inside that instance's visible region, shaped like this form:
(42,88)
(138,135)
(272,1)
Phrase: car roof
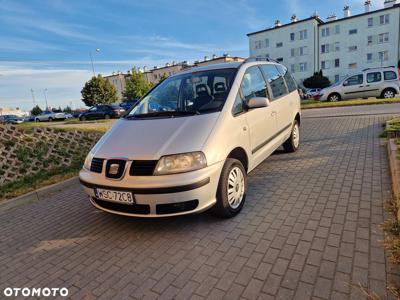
(228,65)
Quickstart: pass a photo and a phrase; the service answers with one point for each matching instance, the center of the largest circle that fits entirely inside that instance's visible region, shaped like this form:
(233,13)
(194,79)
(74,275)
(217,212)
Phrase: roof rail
(252,59)
(378,68)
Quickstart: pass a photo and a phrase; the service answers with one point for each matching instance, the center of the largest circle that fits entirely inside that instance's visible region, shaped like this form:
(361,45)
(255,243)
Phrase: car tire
(388,93)
(334,97)
(232,189)
(37,120)
(83,118)
(107,117)
(292,144)
(50,119)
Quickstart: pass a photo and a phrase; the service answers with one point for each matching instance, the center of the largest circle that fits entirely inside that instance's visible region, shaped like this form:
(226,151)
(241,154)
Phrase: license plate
(114,196)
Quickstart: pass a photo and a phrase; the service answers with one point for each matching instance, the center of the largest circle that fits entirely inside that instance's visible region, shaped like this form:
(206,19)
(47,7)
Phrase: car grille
(142,167)
(97,165)
(140,209)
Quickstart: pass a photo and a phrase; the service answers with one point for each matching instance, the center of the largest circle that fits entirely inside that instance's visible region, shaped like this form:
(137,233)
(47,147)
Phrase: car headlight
(180,163)
(88,161)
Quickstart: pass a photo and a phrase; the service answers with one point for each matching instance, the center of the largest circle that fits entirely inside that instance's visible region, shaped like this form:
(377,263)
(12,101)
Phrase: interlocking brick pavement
(309,229)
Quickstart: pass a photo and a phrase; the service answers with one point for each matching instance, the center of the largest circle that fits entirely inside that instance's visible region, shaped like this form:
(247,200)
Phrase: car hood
(149,139)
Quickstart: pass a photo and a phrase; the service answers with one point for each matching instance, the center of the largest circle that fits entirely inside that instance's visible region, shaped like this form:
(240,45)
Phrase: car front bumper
(157,196)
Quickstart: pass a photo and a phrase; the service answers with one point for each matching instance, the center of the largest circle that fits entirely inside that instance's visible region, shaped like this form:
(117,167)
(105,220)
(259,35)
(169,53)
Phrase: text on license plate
(116,196)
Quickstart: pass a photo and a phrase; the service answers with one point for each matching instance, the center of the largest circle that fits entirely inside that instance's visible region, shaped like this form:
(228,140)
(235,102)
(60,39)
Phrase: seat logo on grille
(114,168)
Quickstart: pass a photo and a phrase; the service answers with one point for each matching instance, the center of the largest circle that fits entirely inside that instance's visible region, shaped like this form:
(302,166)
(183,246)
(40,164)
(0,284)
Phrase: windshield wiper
(170,114)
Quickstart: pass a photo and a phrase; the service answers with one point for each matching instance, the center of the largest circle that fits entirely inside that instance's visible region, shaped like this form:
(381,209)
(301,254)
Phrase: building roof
(288,24)
(321,22)
(362,14)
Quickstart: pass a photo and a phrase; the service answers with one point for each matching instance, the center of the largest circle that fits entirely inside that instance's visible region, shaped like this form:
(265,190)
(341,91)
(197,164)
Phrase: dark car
(127,104)
(102,112)
(11,119)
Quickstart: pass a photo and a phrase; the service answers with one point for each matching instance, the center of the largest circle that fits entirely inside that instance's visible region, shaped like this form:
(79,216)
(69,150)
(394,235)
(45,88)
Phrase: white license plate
(114,196)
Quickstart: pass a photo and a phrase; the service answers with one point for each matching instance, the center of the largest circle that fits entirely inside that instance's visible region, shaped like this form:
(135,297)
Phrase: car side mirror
(257,102)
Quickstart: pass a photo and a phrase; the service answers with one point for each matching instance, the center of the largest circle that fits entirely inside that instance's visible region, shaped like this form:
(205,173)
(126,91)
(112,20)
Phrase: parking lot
(310,228)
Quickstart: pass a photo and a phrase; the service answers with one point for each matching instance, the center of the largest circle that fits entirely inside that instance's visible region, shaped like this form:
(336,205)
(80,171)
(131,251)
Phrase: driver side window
(354,80)
(253,84)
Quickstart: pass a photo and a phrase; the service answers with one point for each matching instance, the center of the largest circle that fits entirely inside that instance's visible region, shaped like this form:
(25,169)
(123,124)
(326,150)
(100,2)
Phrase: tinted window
(275,80)
(389,75)
(290,83)
(253,84)
(374,77)
(354,80)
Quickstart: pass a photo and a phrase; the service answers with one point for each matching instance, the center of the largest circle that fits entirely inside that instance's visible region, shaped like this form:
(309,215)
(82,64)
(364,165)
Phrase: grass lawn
(72,124)
(308,104)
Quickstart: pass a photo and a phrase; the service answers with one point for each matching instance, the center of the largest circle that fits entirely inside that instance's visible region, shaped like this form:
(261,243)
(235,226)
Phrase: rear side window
(389,75)
(253,84)
(374,77)
(275,80)
(290,83)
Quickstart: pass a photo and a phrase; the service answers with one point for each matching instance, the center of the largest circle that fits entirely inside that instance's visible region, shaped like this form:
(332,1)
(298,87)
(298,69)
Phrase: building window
(303,67)
(325,48)
(337,46)
(337,29)
(303,34)
(337,63)
(324,64)
(352,48)
(257,44)
(279,45)
(303,50)
(352,31)
(326,31)
(353,66)
(266,43)
(279,59)
(292,36)
(383,38)
(383,56)
(369,57)
(369,40)
(370,22)
(384,19)
(292,68)
(292,52)
(337,78)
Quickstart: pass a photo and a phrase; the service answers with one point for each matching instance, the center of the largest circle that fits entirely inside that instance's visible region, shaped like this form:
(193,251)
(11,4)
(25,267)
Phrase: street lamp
(91,59)
(45,98)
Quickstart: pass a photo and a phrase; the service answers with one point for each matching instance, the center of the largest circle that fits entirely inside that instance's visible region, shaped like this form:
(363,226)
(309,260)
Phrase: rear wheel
(107,117)
(334,97)
(293,142)
(388,93)
(232,189)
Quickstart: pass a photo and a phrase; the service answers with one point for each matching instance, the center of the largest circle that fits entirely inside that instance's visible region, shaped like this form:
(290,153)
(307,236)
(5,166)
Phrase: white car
(372,82)
(50,116)
(311,93)
(189,144)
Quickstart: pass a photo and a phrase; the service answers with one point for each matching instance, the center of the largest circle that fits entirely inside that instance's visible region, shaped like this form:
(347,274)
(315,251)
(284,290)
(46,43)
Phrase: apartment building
(118,79)
(338,46)
(169,69)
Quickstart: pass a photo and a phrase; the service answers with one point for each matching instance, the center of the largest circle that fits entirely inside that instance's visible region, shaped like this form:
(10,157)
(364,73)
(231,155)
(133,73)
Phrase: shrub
(318,80)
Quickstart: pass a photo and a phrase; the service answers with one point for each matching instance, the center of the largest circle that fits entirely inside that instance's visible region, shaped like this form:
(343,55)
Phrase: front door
(261,121)
(353,87)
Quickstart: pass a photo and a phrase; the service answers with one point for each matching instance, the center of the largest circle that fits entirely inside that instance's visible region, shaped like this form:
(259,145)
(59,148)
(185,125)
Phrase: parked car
(69,116)
(11,119)
(311,93)
(50,116)
(371,82)
(127,104)
(29,119)
(102,112)
(212,126)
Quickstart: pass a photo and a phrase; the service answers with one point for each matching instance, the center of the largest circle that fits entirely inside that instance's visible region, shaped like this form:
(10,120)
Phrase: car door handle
(361,86)
(367,85)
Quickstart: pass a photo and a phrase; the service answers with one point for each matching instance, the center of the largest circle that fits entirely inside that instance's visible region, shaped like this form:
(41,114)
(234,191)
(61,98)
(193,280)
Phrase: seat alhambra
(190,142)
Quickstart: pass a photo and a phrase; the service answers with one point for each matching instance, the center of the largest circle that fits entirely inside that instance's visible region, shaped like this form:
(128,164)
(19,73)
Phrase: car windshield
(186,94)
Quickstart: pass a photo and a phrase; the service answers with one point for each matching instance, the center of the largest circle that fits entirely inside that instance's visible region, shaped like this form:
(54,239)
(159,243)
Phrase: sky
(46,44)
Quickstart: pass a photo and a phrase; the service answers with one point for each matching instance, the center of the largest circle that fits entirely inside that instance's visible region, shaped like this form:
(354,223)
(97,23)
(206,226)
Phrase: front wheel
(334,97)
(293,142)
(232,189)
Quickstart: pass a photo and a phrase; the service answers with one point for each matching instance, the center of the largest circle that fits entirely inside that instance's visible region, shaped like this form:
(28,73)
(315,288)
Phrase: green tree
(163,77)
(98,91)
(67,109)
(36,111)
(317,81)
(136,86)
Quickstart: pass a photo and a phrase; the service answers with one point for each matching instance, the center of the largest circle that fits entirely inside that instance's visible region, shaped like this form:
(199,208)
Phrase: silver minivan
(189,144)
(371,82)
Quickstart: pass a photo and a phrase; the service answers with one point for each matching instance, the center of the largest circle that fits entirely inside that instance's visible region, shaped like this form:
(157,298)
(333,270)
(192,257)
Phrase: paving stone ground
(309,229)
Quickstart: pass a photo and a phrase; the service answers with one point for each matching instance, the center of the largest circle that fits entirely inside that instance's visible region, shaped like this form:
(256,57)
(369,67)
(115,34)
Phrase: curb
(38,194)
(394,172)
